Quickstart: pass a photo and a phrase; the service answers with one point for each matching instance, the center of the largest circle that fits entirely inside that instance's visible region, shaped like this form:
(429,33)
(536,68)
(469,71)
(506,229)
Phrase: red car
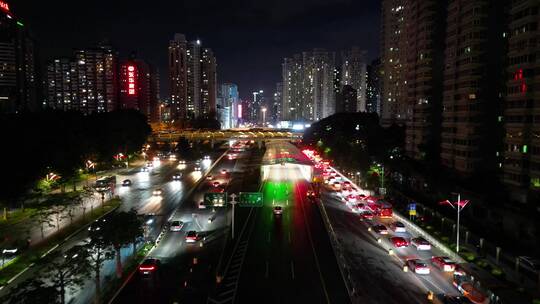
(443,263)
(215,184)
(149,267)
(399,242)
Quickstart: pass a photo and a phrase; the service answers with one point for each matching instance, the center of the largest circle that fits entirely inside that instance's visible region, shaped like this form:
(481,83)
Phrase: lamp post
(459,205)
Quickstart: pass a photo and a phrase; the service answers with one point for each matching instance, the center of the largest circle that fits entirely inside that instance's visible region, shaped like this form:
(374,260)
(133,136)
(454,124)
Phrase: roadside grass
(34,254)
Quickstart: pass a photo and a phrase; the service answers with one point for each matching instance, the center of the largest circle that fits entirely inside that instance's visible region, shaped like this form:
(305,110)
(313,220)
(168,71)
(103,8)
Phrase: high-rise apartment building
(373,90)
(346,100)
(424,30)
(292,96)
(88,82)
(139,88)
(192,78)
(178,76)
(473,86)
(522,106)
(207,106)
(276,114)
(17,64)
(308,86)
(227,105)
(354,73)
(394,62)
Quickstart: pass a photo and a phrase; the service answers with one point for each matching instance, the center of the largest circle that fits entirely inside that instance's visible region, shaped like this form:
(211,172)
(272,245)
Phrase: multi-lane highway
(187,269)
(288,256)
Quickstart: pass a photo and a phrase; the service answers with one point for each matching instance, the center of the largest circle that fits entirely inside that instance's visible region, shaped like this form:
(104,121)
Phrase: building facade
(18,83)
(521,165)
(347,100)
(308,86)
(473,86)
(424,29)
(373,90)
(192,79)
(227,103)
(88,82)
(354,74)
(393,51)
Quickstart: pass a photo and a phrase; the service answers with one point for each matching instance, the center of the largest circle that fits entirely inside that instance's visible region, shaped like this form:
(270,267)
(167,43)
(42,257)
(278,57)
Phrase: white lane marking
(266,273)
(292,269)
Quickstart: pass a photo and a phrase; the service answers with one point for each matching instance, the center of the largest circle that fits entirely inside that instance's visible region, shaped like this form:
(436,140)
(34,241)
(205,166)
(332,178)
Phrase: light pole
(233,202)
(459,205)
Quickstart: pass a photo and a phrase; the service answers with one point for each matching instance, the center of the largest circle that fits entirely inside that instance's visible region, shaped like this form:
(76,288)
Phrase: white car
(206,157)
(418,266)
(398,227)
(421,243)
(176,225)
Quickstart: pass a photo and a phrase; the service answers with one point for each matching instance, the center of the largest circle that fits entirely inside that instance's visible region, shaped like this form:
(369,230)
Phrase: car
(443,263)
(177,177)
(421,244)
(417,266)
(172,157)
(182,162)
(126,182)
(202,205)
(149,164)
(157,192)
(176,225)
(216,184)
(366,215)
(310,193)
(529,263)
(278,210)
(197,168)
(209,177)
(149,267)
(351,198)
(191,236)
(336,185)
(206,157)
(156,158)
(398,227)
(144,169)
(223,172)
(380,229)
(212,218)
(399,242)
(359,208)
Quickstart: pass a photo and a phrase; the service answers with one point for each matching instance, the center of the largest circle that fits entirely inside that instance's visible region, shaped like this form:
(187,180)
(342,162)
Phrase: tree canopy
(34,144)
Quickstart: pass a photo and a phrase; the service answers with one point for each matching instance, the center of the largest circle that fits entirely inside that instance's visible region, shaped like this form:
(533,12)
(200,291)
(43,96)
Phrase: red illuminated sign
(4,6)
(131,80)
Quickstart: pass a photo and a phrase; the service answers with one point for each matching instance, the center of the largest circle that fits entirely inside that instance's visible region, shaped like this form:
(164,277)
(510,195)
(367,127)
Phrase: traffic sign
(412,212)
(251,199)
(215,199)
(412,206)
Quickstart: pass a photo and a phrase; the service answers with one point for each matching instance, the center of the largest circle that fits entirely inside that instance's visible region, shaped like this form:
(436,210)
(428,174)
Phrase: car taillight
(142,268)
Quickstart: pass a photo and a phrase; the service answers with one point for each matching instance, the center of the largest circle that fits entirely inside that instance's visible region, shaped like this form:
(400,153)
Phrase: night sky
(249,38)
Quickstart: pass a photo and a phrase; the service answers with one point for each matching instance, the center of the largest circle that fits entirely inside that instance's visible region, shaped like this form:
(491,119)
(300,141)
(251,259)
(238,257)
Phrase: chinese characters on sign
(131,80)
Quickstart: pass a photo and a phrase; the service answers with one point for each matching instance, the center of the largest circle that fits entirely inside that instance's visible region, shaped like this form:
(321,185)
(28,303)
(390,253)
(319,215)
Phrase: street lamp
(459,205)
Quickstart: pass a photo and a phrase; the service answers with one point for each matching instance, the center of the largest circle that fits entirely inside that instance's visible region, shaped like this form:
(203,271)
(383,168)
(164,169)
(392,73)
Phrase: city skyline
(275,29)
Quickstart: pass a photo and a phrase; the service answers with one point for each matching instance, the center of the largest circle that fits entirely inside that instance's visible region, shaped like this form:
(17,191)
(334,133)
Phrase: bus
(105,183)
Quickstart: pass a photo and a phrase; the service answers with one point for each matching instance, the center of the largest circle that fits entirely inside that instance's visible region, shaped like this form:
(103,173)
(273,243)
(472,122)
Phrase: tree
(97,251)
(43,218)
(33,291)
(81,199)
(67,270)
(132,228)
(58,212)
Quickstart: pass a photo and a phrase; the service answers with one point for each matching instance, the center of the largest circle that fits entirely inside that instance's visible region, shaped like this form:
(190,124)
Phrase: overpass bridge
(220,135)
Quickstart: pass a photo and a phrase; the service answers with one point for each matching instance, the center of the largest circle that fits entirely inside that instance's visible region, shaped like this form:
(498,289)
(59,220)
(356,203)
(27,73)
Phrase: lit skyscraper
(354,74)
